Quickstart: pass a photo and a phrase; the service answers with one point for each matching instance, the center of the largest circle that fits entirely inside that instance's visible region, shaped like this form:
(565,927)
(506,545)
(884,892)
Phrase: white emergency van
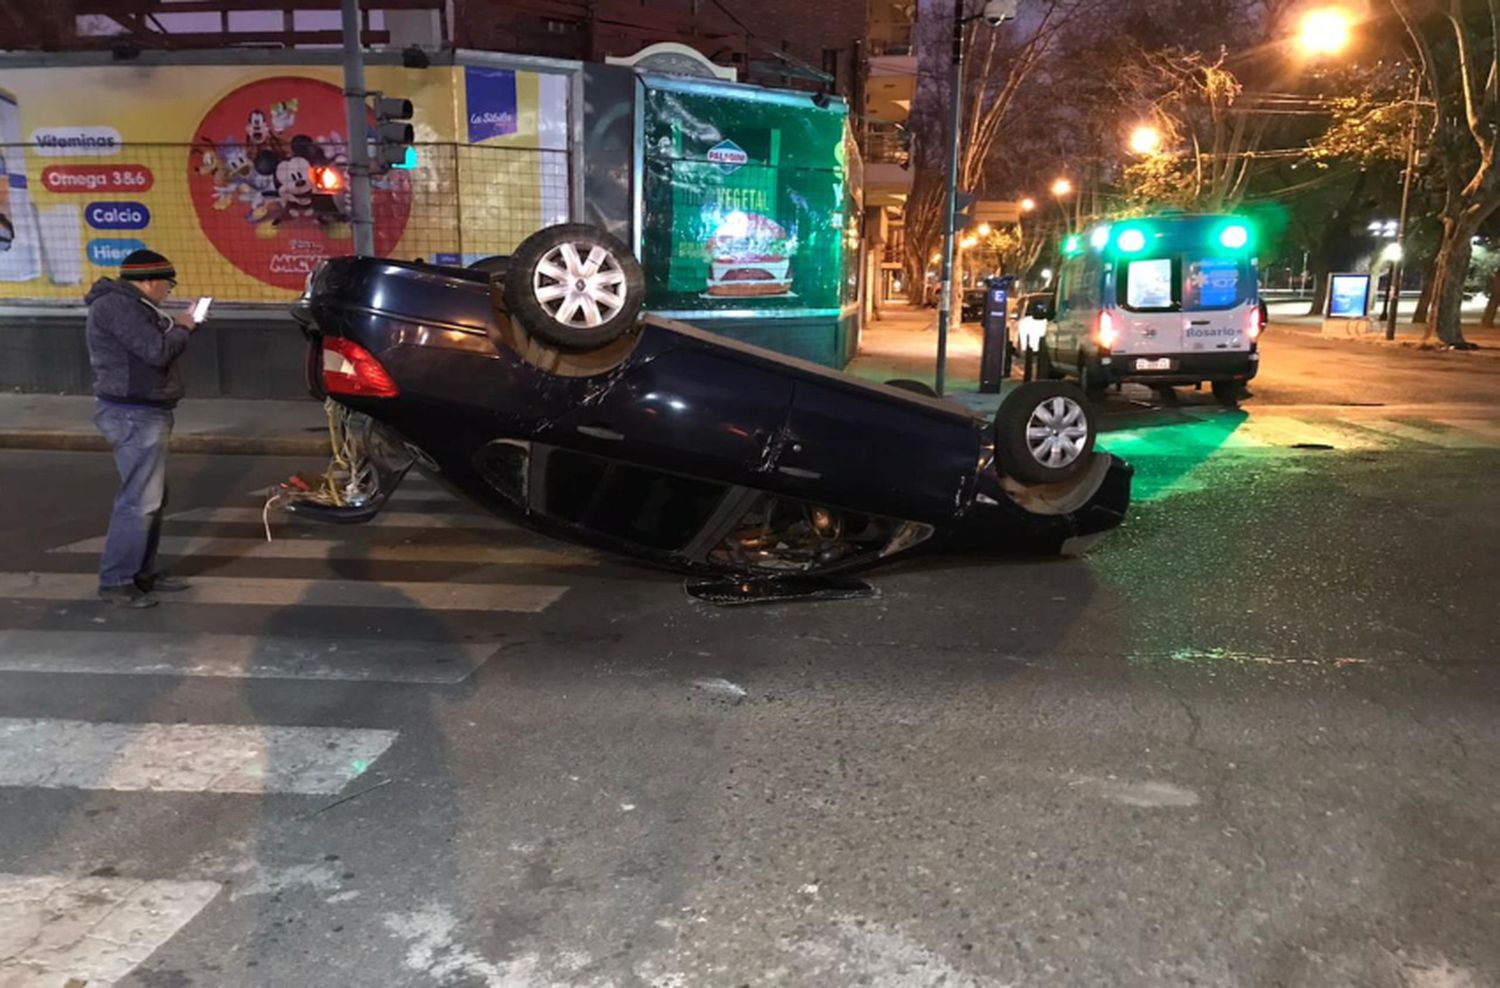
(1164,300)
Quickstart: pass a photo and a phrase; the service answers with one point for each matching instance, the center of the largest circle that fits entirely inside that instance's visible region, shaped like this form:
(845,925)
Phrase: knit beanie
(146,265)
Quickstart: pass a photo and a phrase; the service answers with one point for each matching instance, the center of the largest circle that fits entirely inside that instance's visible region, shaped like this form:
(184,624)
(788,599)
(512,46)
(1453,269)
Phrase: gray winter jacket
(133,347)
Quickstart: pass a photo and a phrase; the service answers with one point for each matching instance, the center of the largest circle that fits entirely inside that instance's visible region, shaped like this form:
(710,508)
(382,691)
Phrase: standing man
(133,348)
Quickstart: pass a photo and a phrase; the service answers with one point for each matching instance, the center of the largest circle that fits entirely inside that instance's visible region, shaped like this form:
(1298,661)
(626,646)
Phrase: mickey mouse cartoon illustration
(294,186)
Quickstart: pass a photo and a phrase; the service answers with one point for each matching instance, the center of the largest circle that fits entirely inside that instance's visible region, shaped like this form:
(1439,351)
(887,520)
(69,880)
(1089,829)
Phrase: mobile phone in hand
(200,308)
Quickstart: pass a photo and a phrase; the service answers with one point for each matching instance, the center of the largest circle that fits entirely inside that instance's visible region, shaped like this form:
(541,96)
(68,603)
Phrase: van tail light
(350,369)
(1106,334)
(1254,323)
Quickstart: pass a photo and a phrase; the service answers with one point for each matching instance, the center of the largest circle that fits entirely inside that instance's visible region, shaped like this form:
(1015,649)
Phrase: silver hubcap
(1057,431)
(577,289)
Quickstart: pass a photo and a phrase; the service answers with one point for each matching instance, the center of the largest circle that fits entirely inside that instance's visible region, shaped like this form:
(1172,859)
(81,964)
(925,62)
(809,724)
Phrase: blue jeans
(139,436)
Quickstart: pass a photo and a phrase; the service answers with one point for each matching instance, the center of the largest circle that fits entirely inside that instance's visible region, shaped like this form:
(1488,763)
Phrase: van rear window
(1178,284)
(1148,284)
(1211,284)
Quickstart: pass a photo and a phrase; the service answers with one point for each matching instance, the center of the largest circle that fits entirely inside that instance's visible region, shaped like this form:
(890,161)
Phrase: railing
(248,225)
(885,144)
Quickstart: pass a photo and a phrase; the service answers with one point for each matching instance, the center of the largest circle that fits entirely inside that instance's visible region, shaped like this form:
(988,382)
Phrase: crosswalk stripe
(449,596)
(1280,430)
(239,656)
(1413,433)
(296,548)
(386,519)
(1487,431)
(58,930)
(203,758)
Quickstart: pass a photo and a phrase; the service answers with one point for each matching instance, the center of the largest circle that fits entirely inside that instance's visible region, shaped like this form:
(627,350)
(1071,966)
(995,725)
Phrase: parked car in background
(543,396)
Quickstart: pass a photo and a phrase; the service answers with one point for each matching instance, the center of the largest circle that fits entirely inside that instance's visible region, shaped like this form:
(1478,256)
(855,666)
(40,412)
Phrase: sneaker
(162,583)
(129,596)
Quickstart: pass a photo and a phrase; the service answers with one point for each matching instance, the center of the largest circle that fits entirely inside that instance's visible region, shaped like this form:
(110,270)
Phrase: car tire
(915,387)
(1227,393)
(1044,432)
(574,286)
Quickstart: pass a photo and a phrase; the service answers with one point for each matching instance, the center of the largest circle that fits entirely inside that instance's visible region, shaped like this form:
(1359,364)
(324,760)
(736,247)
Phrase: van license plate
(1161,363)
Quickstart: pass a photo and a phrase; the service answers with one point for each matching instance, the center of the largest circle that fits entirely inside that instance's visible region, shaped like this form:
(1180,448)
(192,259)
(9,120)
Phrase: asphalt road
(1251,740)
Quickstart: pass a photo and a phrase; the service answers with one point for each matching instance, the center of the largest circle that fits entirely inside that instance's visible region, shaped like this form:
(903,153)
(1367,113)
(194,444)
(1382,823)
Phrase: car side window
(621,500)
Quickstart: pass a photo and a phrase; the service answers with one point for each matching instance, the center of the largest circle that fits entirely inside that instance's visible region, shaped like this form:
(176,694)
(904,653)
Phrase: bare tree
(1458,47)
(997,63)
(1211,132)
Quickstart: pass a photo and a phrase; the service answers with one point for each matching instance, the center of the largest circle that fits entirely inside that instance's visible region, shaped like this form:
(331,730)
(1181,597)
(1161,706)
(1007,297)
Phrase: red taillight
(1106,333)
(349,369)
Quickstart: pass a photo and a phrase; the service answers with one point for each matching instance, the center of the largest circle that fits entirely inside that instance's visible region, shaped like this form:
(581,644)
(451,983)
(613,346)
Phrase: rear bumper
(1187,368)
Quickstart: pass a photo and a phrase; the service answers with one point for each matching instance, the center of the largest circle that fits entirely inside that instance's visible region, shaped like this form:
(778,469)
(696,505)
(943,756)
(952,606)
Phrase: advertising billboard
(745,201)
(239,174)
(1349,296)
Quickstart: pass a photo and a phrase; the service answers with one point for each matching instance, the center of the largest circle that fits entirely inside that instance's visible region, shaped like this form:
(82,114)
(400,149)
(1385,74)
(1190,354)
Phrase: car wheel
(1044,432)
(1227,393)
(915,387)
(574,286)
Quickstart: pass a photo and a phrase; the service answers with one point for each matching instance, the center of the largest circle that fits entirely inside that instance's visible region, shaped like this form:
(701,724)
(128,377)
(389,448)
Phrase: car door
(693,410)
(886,453)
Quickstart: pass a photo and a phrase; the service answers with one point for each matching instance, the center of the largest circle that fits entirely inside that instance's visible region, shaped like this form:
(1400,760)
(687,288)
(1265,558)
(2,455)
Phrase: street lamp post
(996,12)
(1393,291)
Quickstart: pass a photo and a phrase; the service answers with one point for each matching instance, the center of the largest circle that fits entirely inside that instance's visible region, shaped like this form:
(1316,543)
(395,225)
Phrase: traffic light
(393,133)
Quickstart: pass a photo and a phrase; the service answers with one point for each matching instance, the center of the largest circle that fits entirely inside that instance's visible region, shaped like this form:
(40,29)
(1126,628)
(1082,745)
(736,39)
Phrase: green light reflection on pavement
(1165,456)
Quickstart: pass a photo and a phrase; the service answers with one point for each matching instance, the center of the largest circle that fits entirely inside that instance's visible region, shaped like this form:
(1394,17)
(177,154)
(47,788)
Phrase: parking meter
(992,357)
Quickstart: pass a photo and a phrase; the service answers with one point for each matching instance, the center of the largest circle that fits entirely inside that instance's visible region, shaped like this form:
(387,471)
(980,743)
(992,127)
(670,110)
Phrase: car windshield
(1184,284)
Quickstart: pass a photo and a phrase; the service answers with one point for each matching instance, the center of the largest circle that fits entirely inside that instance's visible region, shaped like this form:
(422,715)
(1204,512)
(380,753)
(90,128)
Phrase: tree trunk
(1319,304)
(1448,290)
(1492,304)
(1424,297)
(924,231)
(1448,280)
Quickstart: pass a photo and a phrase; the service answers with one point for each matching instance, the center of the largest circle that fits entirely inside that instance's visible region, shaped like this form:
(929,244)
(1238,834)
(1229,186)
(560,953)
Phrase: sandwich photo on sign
(749,255)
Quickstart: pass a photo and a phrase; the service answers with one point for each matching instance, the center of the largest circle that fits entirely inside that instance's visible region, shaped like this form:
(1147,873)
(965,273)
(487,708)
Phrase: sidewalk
(903,344)
(1291,317)
(204,425)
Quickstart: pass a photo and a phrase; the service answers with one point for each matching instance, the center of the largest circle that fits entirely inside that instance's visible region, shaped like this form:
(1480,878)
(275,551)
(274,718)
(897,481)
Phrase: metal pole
(1393,292)
(955,121)
(359,146)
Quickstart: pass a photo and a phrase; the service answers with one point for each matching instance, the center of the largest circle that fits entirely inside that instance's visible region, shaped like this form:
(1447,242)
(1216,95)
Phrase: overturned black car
(532,386)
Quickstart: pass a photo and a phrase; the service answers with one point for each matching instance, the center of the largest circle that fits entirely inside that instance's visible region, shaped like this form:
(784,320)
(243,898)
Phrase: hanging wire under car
(351,478)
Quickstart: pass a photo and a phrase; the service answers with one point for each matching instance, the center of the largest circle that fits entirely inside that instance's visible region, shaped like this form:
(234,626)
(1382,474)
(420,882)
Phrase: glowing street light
(1062,187)
(1145,139)
(983,230)
(1324,31)
(1028,204)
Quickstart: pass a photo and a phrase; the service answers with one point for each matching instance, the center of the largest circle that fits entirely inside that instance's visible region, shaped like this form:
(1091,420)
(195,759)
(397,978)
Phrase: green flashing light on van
(1131,241)
(1234,236)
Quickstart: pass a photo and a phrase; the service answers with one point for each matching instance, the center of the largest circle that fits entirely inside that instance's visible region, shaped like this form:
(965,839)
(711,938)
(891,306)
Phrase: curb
(181,443)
